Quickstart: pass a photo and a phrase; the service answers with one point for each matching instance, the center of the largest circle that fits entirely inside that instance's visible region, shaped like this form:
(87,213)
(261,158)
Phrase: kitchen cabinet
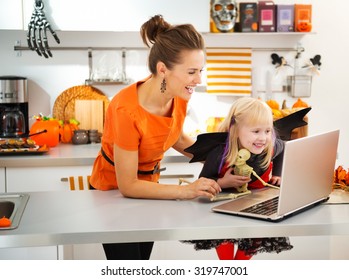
(33,179)
(175,171)
(119,15)
(11,17)
(2,180)
(49,178)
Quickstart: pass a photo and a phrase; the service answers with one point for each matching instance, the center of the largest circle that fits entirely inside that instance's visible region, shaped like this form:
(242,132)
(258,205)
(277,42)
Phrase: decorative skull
(224,14)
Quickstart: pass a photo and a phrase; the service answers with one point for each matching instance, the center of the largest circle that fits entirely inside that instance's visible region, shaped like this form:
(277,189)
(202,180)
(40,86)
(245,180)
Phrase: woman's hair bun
(152,28)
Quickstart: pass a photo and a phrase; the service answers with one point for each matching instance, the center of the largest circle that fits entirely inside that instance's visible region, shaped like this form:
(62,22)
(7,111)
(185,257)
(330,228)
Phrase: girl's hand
(275,180)
(230,180)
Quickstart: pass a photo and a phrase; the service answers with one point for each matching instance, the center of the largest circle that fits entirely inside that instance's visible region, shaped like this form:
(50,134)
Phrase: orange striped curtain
(229,71)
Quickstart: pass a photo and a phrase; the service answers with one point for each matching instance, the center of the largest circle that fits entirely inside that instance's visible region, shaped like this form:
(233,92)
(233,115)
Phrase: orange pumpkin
(5,222)
(50,137)
(300,104)
(273,104)
(304,27)
(67,132)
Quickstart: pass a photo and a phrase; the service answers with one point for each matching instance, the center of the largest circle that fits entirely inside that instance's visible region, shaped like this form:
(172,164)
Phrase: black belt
(150,172)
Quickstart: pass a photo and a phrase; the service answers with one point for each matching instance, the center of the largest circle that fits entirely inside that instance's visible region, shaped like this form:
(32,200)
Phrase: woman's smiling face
(184,77)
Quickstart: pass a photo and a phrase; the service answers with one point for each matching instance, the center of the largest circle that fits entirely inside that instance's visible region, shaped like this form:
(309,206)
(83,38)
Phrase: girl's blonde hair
(251,112)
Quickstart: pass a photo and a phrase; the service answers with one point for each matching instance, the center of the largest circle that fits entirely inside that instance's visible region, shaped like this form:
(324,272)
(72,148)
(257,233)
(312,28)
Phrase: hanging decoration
(279,61)
(37,31)
(314,64)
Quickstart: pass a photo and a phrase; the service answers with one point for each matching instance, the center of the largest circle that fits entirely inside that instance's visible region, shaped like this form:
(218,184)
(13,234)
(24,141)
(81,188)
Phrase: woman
(249,125)
(145,119)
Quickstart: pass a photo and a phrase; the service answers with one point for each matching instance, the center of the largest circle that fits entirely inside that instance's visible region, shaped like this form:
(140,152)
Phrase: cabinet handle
(176,176)
(64,180)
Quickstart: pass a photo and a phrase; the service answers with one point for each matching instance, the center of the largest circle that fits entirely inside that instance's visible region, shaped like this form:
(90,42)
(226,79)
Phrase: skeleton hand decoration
(37,31)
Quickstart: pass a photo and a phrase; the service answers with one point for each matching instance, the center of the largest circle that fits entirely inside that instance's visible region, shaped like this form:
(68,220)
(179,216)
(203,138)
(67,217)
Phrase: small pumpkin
(300,104)
(273,104)
(5,222)
(277,114)
(304,26)
(67,132)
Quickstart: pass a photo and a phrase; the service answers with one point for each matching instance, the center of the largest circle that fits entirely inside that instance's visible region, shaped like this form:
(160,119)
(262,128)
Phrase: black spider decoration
(279,61)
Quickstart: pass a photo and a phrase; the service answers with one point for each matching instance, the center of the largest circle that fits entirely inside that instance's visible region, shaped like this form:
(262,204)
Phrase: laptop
(307,177)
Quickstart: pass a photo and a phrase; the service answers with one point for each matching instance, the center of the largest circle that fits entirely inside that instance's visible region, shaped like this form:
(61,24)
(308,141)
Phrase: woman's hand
(230,180)
(201,187)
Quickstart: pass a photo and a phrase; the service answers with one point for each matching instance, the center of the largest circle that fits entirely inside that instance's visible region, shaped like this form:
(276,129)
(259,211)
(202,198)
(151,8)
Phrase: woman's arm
(126,168)
(184,141)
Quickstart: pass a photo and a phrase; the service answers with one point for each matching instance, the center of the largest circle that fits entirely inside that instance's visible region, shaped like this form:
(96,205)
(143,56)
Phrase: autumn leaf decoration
(341,178)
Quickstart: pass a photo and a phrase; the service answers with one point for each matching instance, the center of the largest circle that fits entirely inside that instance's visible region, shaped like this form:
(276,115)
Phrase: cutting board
(64,107)
(90,114)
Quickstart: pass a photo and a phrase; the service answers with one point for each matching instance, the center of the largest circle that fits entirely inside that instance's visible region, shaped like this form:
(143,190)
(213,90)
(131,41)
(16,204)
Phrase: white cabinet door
(11,17)
(175,171)
(2,180)
(29,253)
(31,179)
(119,15)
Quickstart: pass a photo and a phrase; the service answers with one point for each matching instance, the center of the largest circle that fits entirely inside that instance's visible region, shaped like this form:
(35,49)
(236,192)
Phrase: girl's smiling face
(255,138)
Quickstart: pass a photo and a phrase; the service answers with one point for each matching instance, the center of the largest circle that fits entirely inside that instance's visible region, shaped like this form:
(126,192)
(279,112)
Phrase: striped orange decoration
(229,71)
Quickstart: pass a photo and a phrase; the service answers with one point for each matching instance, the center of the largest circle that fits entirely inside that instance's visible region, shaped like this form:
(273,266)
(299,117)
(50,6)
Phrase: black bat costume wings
(207,141)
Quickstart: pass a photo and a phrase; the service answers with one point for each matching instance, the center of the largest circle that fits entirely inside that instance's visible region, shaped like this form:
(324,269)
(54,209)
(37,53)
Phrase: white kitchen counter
(82,217)
(70,155)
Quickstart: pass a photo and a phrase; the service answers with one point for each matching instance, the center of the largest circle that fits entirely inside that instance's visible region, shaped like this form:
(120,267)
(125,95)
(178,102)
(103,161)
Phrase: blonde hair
(246,111)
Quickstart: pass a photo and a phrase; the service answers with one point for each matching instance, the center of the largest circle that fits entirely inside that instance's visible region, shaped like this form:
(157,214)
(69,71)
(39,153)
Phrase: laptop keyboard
(267,207)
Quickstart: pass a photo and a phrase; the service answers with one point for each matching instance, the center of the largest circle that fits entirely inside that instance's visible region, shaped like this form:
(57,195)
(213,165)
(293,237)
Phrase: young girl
(250,126)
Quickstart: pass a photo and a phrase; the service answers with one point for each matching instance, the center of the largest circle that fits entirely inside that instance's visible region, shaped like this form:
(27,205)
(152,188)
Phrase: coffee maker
(14,119)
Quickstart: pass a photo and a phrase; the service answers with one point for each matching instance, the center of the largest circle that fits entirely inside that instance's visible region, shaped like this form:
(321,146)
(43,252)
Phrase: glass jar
(80,137)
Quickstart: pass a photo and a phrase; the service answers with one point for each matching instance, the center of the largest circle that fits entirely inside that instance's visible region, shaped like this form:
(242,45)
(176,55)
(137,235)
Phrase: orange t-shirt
(132,128)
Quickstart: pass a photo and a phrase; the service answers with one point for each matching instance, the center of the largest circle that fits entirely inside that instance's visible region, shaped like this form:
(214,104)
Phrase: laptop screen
(307,172)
